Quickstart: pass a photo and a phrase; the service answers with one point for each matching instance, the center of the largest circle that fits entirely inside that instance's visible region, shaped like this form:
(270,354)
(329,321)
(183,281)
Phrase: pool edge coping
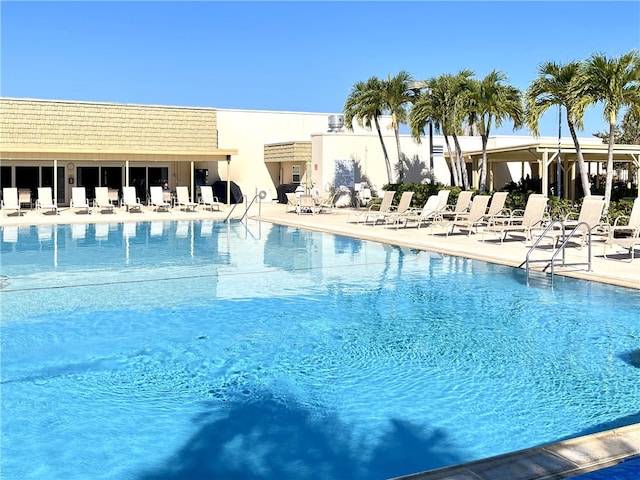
(554,461)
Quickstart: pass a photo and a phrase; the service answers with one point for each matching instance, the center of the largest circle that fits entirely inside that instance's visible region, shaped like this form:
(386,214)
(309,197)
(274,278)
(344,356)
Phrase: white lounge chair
(306,204)
(326,204)
(130,200)
(79,200)
(45,200)
(629,243)
(461,206)
(395,212)
(471,220)
(101,202)
(157,199)
(581,227)
(208,200)
(532,218)
(497,213)
(375,210)
(10,200)
(114,197)
(24,197)
(183,201)
(430,212)
(632,225)
(292,202)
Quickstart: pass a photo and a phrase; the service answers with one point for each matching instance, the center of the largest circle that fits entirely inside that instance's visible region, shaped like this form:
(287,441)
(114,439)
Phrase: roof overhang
(592,152)
(147,155)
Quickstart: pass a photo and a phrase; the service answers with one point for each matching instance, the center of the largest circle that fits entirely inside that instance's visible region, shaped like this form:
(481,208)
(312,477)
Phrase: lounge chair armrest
(620,217)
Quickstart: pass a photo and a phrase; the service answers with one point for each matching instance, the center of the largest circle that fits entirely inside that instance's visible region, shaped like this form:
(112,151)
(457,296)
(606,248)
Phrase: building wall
(85,130)
(250,130)
(68,124)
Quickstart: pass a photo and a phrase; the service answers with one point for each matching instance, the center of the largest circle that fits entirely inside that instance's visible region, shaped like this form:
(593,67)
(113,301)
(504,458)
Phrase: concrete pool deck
(556,461)
(616,268)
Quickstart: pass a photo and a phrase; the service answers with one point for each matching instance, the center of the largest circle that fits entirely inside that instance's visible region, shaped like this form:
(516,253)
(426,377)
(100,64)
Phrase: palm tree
(491,103)
(396,97)
(443,106)
(365,103)
(424,110)
(614,82)
(559,85)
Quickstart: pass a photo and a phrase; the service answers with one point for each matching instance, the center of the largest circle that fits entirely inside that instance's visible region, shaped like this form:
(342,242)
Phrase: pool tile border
(555,461)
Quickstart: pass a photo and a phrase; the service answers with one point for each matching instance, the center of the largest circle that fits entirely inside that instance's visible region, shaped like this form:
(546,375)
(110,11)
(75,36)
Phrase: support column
(191,191)
(228,181)
(475,178)
(543,165)
(491,176)
(55,181)
(126,173)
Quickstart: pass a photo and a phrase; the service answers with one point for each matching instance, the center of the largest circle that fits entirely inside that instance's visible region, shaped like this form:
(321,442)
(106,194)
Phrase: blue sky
(292,56)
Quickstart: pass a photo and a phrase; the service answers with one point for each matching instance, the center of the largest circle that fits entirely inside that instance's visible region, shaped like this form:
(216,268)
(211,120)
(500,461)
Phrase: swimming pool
(182,350)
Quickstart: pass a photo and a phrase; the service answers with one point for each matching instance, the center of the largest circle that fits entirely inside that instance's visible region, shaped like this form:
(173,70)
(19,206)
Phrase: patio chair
(588,222)
(183,201)
(469,221)
(632,225)
(130,200)
(208,200)
(462,205)
(395,212)
(45,201)
(497,213)
(102,202)
(427,214)
(375,210)
(582,226)
(292,202)
(326,204)
(79,200)
(531,218)
(306,205)
(24,197)
(628,243)
(10,200)
(157,199)
(114,197)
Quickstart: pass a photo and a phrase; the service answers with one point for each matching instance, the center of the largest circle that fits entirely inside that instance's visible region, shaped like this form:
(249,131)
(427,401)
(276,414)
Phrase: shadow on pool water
(266,439)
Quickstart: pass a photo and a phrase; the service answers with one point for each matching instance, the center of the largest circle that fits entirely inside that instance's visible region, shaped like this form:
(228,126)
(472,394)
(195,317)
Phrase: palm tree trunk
(483,165)
(454,171)
(584,178)
(396,132)
(384,151)
(462,168)
(609,182)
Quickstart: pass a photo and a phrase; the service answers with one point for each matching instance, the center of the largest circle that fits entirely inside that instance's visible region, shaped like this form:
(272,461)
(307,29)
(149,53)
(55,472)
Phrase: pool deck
(556,461)
(616,268)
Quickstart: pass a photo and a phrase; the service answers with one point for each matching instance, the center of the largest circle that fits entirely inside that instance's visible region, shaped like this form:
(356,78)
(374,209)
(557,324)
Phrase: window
(295,173)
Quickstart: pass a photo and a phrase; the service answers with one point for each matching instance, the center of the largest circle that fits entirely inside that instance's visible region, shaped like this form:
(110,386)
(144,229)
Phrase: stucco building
(70,143)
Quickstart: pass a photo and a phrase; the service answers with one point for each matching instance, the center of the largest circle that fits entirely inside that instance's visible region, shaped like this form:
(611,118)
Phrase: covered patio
(542,158)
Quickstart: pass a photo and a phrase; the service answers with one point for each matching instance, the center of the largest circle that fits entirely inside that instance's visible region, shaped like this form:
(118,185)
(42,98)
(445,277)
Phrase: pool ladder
(244,201)
(560,250)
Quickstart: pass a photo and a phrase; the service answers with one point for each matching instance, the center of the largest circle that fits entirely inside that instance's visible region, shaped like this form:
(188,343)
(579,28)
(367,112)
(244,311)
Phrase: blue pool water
(193,350)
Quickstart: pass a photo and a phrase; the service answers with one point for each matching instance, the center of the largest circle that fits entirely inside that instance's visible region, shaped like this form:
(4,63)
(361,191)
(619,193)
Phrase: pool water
(193,350)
